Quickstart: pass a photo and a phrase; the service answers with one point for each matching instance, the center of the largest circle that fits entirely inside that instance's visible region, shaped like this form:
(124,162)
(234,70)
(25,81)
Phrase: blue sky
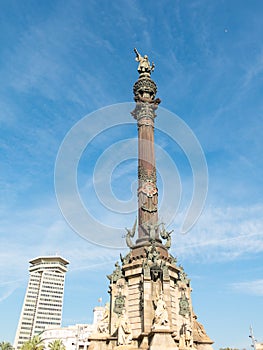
(61,61)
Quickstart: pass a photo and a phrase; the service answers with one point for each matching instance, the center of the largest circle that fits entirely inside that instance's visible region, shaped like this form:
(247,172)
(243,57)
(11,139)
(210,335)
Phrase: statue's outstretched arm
(138,56)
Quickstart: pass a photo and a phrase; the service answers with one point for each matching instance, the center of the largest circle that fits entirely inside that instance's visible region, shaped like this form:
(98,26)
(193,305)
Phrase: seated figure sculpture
(124,333)
(161,315)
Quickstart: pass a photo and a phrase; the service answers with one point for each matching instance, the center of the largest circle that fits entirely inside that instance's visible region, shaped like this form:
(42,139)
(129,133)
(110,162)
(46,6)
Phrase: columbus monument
(150,295)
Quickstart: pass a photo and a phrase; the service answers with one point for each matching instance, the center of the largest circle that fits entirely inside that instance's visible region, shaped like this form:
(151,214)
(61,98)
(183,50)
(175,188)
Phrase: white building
(74,337)
(43,301)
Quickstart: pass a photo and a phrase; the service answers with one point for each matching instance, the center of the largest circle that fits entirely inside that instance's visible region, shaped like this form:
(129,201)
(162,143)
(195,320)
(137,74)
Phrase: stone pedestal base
(101,343)
(125,347)
(157,339)
(150,305)
(204,346)
(161,339)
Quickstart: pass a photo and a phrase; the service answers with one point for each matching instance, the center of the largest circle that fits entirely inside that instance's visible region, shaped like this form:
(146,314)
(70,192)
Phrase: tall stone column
(144,95)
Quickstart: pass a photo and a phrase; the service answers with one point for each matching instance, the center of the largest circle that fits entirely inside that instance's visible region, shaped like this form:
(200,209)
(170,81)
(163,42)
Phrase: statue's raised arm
(138,56)
(144,66)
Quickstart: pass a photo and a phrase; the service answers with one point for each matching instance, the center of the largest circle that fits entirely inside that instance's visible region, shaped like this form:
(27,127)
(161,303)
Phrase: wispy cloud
(42,231)
(41,62)
(253,71)
(222,234)
(249,287)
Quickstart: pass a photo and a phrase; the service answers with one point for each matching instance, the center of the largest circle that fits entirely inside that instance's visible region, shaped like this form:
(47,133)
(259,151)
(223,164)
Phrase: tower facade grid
(43,302)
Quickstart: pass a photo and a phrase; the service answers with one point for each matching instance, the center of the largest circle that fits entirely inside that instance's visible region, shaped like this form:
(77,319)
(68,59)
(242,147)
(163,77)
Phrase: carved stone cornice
(144,110)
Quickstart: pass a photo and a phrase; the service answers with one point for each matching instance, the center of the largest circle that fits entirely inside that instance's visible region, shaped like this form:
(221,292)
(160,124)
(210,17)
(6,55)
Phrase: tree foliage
(57,345)
(5,345)
(36,343)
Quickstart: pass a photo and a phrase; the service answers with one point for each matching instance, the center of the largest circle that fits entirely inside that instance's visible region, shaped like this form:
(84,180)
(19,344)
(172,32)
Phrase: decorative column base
(100,343)
(162,339)
(125,347)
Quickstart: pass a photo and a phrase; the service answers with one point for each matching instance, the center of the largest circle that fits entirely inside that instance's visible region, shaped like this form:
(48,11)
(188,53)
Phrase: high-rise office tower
(43,301)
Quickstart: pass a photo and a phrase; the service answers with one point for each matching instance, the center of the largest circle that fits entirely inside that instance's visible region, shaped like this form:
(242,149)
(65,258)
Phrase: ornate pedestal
(150,304)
